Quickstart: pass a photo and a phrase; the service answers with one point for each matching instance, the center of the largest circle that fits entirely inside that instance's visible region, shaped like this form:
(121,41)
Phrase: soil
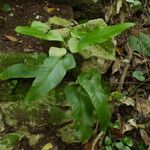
(23,13)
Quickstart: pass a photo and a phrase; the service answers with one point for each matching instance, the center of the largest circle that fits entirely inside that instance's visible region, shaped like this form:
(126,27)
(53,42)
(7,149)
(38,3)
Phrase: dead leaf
(116,66)
(118,6)
(143,106)
(11,38)
(49,10)
(145,137)
(48,146)
(109,14)
(131,124)
(136,61)
(128,101)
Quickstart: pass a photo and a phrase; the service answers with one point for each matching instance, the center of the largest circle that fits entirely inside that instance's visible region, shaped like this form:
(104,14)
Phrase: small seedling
(138,75)
(6,8)
(121,144)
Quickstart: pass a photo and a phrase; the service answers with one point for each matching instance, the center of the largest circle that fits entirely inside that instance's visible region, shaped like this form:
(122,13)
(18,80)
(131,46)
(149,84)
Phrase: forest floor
(132,115)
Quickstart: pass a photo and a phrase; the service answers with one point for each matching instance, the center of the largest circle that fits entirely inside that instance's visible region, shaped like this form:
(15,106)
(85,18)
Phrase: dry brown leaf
(11,38)
(136,61)
(143,106)
(109,10)
(145,137)
(118,6)
(131,124)
(128,101)
(116,66)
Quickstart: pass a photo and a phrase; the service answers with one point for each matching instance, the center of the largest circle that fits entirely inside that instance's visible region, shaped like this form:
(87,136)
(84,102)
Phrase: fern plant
(87,97)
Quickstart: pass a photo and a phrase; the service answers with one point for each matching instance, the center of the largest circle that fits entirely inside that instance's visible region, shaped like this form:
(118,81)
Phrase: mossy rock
(10,58)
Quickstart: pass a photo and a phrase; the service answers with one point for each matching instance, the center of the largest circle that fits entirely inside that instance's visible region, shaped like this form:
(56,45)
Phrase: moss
(40,112)
(10,58)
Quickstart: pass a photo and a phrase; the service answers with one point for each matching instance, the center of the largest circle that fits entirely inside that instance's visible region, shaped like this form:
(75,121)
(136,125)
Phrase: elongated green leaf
(50,74)
(98,35)
(52,35)
(19,71)
(91,82)
(82,110)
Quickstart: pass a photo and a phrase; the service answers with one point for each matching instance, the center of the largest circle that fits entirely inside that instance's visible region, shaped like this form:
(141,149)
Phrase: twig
(100,137)
(134,89)
(140,56)
(125,69)
(95,130)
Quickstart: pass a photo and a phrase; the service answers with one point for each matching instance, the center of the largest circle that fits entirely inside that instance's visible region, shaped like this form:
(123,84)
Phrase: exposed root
(99,137)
